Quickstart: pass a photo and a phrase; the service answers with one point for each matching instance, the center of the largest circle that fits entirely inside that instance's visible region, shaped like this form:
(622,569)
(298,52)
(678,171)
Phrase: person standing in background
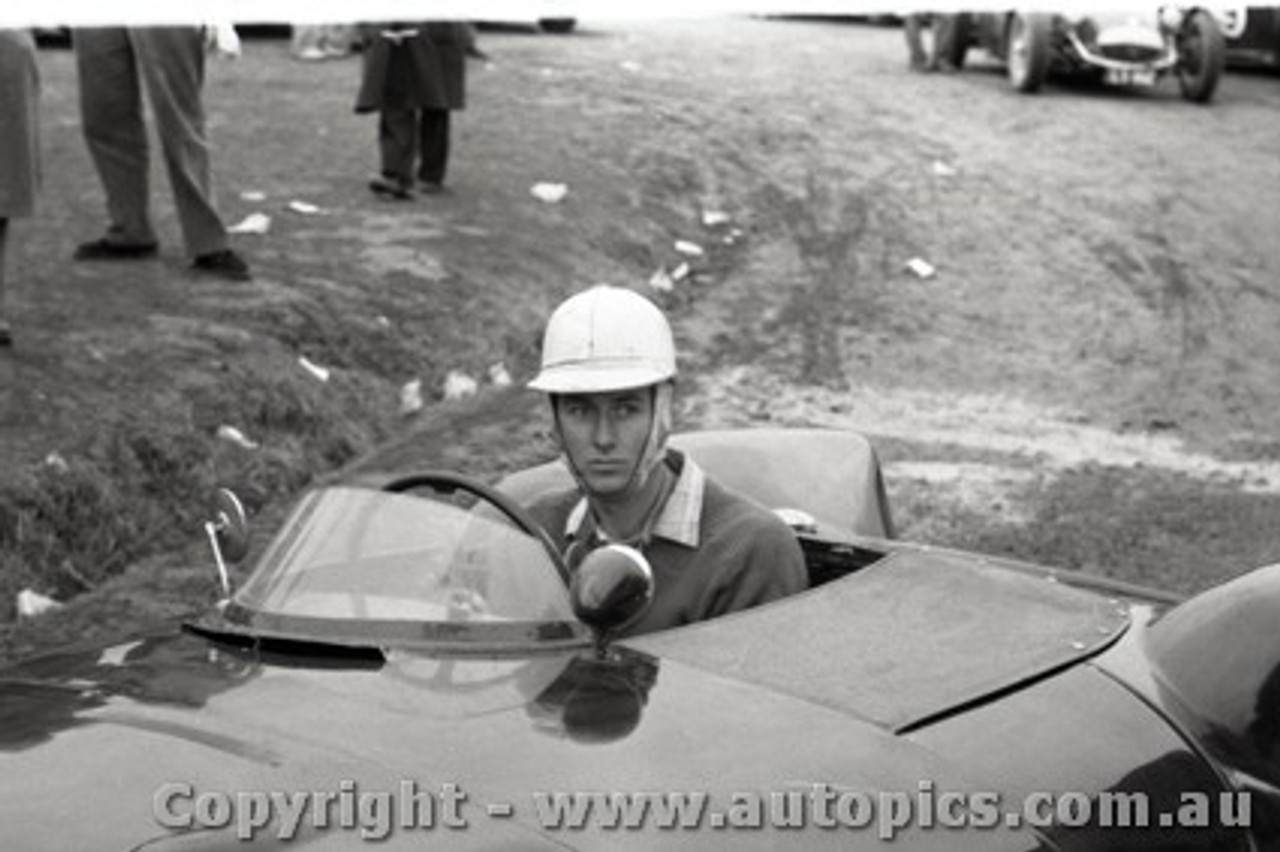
(19,145)
(113,64)
(414,76)
(945,30)
(314,42)
(913,25)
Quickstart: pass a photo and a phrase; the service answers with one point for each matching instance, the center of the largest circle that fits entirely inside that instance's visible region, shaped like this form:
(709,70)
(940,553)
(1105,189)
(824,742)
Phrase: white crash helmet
(605,339)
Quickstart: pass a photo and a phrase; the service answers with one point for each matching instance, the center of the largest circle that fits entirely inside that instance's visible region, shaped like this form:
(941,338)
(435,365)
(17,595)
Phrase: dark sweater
(746,556)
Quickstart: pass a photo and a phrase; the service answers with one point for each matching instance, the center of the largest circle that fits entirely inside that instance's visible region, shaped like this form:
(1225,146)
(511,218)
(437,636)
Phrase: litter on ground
(499,376)
(458,385)
(321,373)
(235,436)
(32,603)
(254,223)
(551,193)
(411,397)
(922,268)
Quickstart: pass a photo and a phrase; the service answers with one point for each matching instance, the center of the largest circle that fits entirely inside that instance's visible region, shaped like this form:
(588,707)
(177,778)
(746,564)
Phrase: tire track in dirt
(1023,350)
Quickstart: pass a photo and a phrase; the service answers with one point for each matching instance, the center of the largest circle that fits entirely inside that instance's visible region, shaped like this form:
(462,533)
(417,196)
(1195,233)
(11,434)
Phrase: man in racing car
(609,367)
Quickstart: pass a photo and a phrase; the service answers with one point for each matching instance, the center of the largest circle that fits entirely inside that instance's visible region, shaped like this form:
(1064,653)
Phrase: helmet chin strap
(655,446)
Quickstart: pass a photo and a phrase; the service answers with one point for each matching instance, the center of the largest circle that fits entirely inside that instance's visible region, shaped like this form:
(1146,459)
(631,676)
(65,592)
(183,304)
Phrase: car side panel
(1259,42)
(113,733)
(1082,732)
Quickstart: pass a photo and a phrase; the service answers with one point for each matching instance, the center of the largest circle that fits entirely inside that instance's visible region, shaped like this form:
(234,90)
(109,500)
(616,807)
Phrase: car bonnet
(910,638)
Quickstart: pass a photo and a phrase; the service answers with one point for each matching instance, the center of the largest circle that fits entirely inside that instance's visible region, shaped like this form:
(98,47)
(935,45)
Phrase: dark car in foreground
(410,663)
(1118,48)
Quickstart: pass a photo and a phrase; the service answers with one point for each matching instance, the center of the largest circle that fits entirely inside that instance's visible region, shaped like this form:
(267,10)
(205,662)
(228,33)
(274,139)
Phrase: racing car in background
(411,662)
(1118,48)
(1252,36)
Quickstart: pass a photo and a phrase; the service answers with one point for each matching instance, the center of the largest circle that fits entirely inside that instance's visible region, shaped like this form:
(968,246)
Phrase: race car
(1124,48)
(410,662)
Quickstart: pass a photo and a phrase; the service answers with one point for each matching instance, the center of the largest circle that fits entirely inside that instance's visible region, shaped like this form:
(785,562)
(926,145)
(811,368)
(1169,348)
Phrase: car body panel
(1056,754)
(1118,30)
(1252,36)
(908,670)
(907,639)
(223,721)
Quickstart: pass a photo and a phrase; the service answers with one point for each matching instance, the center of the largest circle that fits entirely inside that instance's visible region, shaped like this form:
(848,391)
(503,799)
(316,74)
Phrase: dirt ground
(1090,378)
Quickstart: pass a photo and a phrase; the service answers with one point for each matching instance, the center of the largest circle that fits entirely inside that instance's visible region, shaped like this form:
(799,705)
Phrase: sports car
(408,662)
(1252,35)
(1120,48)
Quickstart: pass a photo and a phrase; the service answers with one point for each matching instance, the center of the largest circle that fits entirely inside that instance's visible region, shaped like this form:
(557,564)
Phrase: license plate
(1130,77)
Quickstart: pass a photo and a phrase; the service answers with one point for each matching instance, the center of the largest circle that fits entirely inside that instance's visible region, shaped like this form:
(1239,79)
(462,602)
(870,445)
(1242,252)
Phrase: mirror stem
(211,530)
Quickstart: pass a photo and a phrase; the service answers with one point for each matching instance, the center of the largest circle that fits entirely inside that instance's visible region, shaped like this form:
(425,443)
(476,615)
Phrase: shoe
(105,249)
(6,335)
(225,264)
(430,187)
(383,185)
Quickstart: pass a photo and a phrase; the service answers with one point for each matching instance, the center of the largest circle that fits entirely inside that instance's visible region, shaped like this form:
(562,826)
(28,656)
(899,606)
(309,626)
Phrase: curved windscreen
(360,555)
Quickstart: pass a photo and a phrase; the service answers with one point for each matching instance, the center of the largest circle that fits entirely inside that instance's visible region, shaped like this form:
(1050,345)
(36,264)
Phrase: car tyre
(557,25)
(1028,50)
(1201,57)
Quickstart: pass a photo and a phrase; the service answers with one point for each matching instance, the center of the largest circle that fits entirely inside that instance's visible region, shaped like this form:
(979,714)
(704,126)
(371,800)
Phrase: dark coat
(19,124)
(427,70)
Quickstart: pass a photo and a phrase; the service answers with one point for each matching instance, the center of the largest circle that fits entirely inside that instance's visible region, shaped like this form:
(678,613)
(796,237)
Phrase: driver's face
(604,435)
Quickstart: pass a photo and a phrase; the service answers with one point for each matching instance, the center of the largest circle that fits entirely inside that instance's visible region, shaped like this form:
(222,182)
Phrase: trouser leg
(434,140)
(944,40)
(112,122)
(305,40)
(396,140)
(4,245)
(171,62)
(911,28)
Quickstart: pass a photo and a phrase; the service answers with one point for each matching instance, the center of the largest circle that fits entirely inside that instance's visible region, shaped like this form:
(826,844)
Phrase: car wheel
(1201,56)
(1028,52)
(557,25)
